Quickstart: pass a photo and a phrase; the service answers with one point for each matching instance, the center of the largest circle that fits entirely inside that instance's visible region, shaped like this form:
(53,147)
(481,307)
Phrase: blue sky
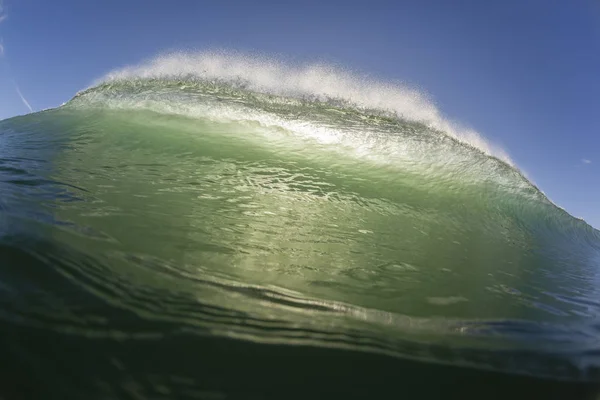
(526,74)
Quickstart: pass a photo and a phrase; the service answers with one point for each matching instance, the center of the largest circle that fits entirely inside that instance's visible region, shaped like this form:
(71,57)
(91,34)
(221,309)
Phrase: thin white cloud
(23,99)
(586,161)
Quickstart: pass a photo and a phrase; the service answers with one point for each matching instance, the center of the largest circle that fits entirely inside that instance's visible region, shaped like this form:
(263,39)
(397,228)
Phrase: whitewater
(219,224)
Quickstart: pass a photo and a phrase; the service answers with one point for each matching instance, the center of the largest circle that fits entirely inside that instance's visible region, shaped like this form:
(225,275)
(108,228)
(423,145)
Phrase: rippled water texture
(199,236)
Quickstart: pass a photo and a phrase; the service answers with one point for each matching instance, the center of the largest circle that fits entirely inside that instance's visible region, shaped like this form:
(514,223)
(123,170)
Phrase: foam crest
(319,82)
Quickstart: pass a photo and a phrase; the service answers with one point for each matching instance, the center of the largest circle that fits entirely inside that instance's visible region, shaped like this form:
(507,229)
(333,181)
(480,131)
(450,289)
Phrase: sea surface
(219,225)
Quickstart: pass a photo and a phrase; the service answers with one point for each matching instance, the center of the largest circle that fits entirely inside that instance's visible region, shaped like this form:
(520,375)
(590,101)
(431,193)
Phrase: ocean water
(219,225)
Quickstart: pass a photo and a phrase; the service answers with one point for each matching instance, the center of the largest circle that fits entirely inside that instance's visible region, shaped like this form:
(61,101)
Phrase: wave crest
(317,82)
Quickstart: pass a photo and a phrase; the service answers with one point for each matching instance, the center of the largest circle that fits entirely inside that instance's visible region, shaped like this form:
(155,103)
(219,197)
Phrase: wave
(230,196)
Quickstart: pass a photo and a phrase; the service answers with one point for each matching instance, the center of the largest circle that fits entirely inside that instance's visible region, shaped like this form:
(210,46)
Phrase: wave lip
(320,82)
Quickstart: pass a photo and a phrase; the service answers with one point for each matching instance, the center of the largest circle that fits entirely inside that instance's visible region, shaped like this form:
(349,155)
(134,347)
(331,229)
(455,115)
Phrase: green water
(184,237)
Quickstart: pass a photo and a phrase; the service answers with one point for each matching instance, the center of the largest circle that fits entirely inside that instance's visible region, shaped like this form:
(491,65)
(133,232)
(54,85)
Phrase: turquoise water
(188,228)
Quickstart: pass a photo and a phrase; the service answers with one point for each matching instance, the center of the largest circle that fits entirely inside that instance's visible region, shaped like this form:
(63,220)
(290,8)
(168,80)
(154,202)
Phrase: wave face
(223,206)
